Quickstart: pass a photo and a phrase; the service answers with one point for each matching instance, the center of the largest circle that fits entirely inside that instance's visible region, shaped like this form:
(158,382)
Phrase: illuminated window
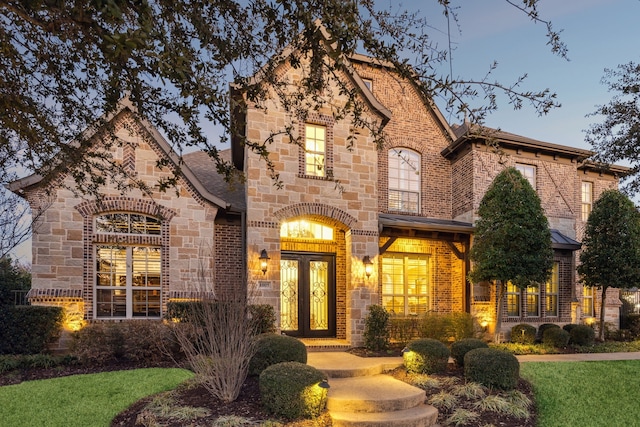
(127,282)
(405,284)
(551,292)
(315,150)
(529,172)
(127,223)
(587,301)
(587,199)
(303,229)
(404,180)
(533,301)
(513,300)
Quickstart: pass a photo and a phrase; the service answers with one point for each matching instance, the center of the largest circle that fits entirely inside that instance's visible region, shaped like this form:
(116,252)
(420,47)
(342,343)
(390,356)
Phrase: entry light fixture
(368,266)
(264,259)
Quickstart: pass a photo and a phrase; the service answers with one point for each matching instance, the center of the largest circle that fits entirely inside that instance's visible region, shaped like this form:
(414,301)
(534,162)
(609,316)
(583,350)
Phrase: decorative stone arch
(89,209)
(341,219)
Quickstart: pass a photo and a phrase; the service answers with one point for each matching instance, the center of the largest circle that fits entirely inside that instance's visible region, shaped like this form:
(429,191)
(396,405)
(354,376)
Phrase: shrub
(376,329)
(556,337)
(264,318)
(134,341)
(462,347)
(445,327)
(543,328)
(273,348)
(29,329)
(582,335)
(492,368)
(569,326)
(403,329)
(290,390)
(426,356)
(523,334)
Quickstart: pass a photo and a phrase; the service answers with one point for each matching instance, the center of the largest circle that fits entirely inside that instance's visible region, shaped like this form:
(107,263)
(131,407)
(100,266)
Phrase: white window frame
(586,199)
(513,292)
(315,150)
(529,172)
(404,180)
(532,300)
(406,262)
(552,292)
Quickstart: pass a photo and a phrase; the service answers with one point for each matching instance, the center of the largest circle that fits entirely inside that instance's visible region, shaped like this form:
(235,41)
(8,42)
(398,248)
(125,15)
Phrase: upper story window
(368,83)
(404,180)
(587,199)
(303,229)
(127,223)
(315,150)
(529,172)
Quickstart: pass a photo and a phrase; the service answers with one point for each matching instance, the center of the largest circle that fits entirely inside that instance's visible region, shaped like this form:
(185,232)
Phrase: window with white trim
(587,301)
(551,292)
(513,300)
(127,275)
(405,284)
(533,301)
(404,180)
(315,150)
(587,199)
(529,172)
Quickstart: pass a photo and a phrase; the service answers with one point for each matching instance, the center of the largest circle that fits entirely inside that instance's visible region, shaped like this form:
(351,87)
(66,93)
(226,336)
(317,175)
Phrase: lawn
(82,400)
(585,393)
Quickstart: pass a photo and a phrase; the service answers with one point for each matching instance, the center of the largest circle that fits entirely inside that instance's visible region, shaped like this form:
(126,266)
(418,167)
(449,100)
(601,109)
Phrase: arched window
(404,180)
(304,229)
(128,283)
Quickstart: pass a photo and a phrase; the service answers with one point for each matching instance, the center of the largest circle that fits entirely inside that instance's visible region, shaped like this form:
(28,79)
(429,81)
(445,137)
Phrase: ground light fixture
(368,266)
(324,384)
(264,259)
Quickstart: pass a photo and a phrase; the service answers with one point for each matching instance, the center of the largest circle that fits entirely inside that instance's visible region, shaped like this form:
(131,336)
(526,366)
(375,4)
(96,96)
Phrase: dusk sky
(598,33)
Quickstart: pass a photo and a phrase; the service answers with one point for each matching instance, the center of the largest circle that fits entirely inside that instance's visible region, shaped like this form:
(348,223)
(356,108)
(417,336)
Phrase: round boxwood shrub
(523,333)
(462,347)
(569,326)
(291,390)
(556,337)
(492,368)
(542,328)
(582,335)
(426,356)
(274,348)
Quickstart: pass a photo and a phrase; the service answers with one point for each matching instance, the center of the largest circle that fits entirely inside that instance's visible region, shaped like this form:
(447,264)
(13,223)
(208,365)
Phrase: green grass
(82,400)
(585,393)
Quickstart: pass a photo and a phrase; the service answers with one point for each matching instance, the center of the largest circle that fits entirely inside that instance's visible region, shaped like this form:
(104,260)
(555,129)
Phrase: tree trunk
(501,291)
(602,305)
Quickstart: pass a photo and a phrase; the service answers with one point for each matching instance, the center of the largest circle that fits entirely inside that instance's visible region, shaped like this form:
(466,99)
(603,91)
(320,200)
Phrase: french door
(308,294)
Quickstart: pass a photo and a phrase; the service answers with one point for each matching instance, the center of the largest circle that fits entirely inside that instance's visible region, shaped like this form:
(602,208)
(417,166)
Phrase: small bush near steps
(462,347)
(426,356)
(492,368)
(291,390)
(274,348)
(376,329)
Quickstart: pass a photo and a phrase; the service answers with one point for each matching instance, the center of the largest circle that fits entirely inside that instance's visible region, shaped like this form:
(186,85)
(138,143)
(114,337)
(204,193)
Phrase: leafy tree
(15,224)
(610,257)
(13,277)
(512,241)
(617,137)
(65,63)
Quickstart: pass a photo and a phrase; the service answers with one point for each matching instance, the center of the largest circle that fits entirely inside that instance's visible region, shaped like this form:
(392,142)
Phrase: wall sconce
(264,259)
(368,266)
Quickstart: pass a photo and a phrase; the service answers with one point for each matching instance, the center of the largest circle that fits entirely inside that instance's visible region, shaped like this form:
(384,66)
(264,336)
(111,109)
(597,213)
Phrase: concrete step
(377,393)
(418,416)
(346,365)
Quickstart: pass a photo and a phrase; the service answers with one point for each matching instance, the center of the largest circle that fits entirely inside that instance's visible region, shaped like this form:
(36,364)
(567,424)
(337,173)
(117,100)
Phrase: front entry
(308,294)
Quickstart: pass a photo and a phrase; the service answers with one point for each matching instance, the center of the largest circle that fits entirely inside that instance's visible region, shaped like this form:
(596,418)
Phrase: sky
(599,34)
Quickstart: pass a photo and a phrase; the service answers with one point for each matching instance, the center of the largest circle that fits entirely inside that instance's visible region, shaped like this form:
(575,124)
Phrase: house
(357,220)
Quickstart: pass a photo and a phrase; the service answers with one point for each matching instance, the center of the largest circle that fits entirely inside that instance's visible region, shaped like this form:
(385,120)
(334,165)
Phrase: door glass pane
(289,295)
(318,295)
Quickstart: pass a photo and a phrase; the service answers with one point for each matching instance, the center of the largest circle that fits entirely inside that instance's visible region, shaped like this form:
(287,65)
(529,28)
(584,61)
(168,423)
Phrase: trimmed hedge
(462,347)
(262,315)
(290,390)
(582,335)
(29,329)
(492,368)
(273,348)
(542,328)
(523,333)
(556,337)
(426,356)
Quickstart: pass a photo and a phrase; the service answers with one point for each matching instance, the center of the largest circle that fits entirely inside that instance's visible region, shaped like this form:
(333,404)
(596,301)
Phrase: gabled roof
(124,105)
